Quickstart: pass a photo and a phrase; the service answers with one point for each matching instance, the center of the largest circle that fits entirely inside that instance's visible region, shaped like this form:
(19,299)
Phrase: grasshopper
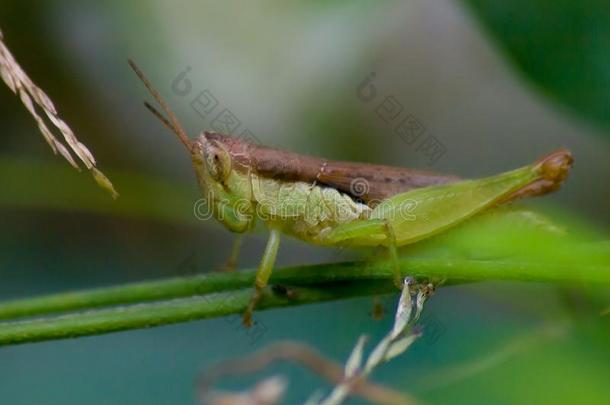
(332,203)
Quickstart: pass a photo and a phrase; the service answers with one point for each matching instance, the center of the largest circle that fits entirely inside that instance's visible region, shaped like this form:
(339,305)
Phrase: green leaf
(562,46)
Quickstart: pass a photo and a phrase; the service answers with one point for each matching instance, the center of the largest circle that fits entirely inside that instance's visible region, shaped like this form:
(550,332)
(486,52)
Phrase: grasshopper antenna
(172,123)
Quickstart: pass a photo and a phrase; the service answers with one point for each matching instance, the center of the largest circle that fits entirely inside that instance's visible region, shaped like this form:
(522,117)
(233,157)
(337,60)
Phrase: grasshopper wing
(367,182)
(374,183)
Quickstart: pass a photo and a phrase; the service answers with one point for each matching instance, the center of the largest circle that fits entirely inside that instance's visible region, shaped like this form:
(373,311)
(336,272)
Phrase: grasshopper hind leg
(379,230)
(393,250)
(262,275)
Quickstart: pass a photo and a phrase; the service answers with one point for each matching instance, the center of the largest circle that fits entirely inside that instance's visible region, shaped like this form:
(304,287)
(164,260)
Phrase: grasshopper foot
(231,262)
(398,282)
(247,317)
(378,311)
(228,267)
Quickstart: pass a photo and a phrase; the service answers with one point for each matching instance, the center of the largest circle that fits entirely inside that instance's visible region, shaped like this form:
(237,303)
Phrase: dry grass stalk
(30,94)
(298,353)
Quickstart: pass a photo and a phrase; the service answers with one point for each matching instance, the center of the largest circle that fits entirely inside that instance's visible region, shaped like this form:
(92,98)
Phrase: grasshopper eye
(217,162)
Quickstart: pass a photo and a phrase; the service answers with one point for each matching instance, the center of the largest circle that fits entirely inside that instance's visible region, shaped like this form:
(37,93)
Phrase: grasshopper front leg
(232,260)
(264,272)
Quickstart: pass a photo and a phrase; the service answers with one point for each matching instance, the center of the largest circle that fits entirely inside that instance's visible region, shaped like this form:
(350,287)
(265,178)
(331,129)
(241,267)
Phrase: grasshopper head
(225,185)
(215,158)
(212,164)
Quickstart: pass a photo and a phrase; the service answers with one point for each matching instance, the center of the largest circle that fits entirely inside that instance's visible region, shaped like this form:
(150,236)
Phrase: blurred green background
(496,83)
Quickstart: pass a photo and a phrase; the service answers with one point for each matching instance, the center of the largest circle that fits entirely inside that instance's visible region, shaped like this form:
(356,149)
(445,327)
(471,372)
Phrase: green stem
(451,269)
(126,294)
(184,298)
(175,311)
